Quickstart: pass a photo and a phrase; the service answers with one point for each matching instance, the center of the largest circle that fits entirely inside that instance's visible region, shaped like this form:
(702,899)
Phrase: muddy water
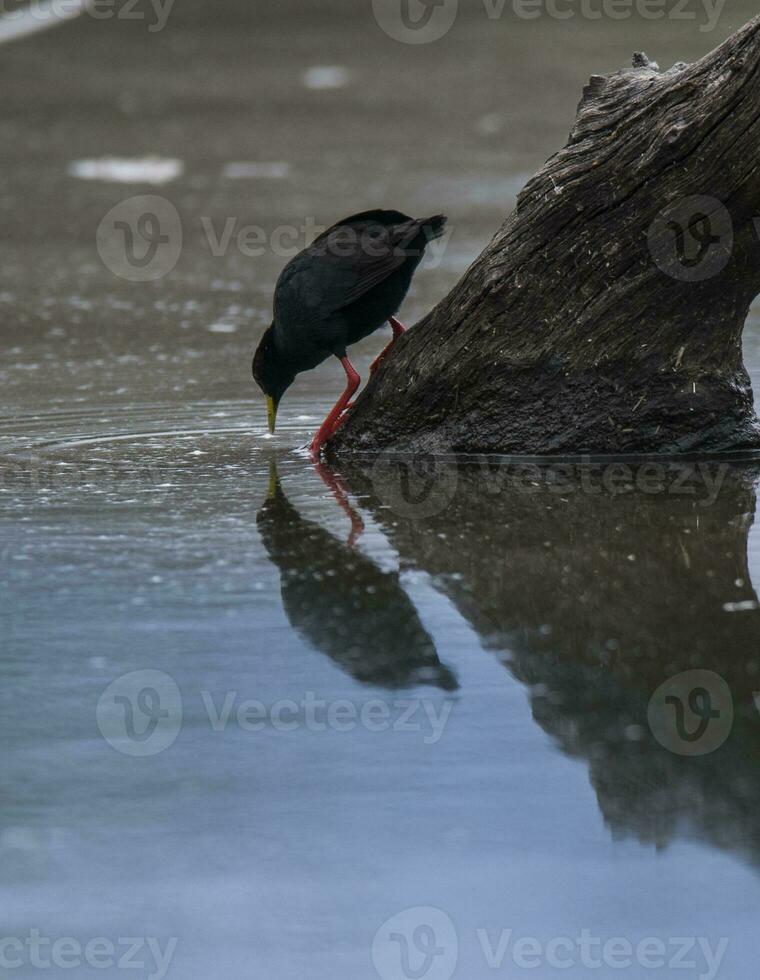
(252,711)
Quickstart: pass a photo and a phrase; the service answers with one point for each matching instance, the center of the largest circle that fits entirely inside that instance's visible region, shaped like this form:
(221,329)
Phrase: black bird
(344,286)
(344,605)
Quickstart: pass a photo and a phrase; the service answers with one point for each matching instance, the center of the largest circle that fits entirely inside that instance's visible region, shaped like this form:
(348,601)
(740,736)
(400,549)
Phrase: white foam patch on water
(39,17)
(120,170)
(222,328)
(326,77)
(746,605)
(491,123)
(274,170)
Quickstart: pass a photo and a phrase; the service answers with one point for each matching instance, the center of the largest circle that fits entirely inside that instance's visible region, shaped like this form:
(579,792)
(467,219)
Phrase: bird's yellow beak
(271,413)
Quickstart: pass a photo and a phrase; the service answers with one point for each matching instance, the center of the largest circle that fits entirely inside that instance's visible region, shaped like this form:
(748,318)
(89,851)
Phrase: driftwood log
(606,315)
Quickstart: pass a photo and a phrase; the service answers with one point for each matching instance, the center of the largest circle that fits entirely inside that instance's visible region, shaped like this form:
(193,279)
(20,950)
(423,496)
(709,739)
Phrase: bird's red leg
(333,420)
(398,328)
(339,490)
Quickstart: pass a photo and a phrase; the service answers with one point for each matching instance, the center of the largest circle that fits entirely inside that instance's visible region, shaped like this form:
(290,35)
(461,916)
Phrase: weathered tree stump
(606,314)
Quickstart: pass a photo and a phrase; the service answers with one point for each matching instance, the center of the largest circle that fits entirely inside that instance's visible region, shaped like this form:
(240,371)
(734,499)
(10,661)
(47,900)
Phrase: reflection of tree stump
(606,315)
(593,599)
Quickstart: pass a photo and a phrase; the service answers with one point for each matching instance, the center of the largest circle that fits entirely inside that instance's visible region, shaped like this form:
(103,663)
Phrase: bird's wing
(343,264)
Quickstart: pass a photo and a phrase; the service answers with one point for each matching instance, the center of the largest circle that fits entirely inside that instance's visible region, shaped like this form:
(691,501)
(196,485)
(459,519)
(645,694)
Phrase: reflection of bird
(346,606)
(340,289)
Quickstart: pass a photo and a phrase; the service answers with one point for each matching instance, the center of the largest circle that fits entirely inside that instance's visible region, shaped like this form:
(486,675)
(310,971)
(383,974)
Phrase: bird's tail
(434,227)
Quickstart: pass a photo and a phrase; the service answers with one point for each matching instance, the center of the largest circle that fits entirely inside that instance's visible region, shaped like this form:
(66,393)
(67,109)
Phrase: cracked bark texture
(591,323)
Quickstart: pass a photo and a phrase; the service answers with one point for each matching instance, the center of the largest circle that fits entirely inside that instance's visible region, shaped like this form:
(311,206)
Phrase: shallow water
(378,689)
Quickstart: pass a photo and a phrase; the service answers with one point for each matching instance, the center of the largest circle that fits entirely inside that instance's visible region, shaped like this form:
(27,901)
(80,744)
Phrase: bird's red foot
(322,437)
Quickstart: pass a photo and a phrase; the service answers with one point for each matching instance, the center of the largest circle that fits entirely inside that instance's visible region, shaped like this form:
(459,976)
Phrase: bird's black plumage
(340,289)
(345,606)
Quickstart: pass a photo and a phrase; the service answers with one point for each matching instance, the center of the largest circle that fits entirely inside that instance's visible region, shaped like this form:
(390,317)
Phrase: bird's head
(271,373)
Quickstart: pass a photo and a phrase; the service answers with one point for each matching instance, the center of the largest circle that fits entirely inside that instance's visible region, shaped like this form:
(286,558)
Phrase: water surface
(447,671)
